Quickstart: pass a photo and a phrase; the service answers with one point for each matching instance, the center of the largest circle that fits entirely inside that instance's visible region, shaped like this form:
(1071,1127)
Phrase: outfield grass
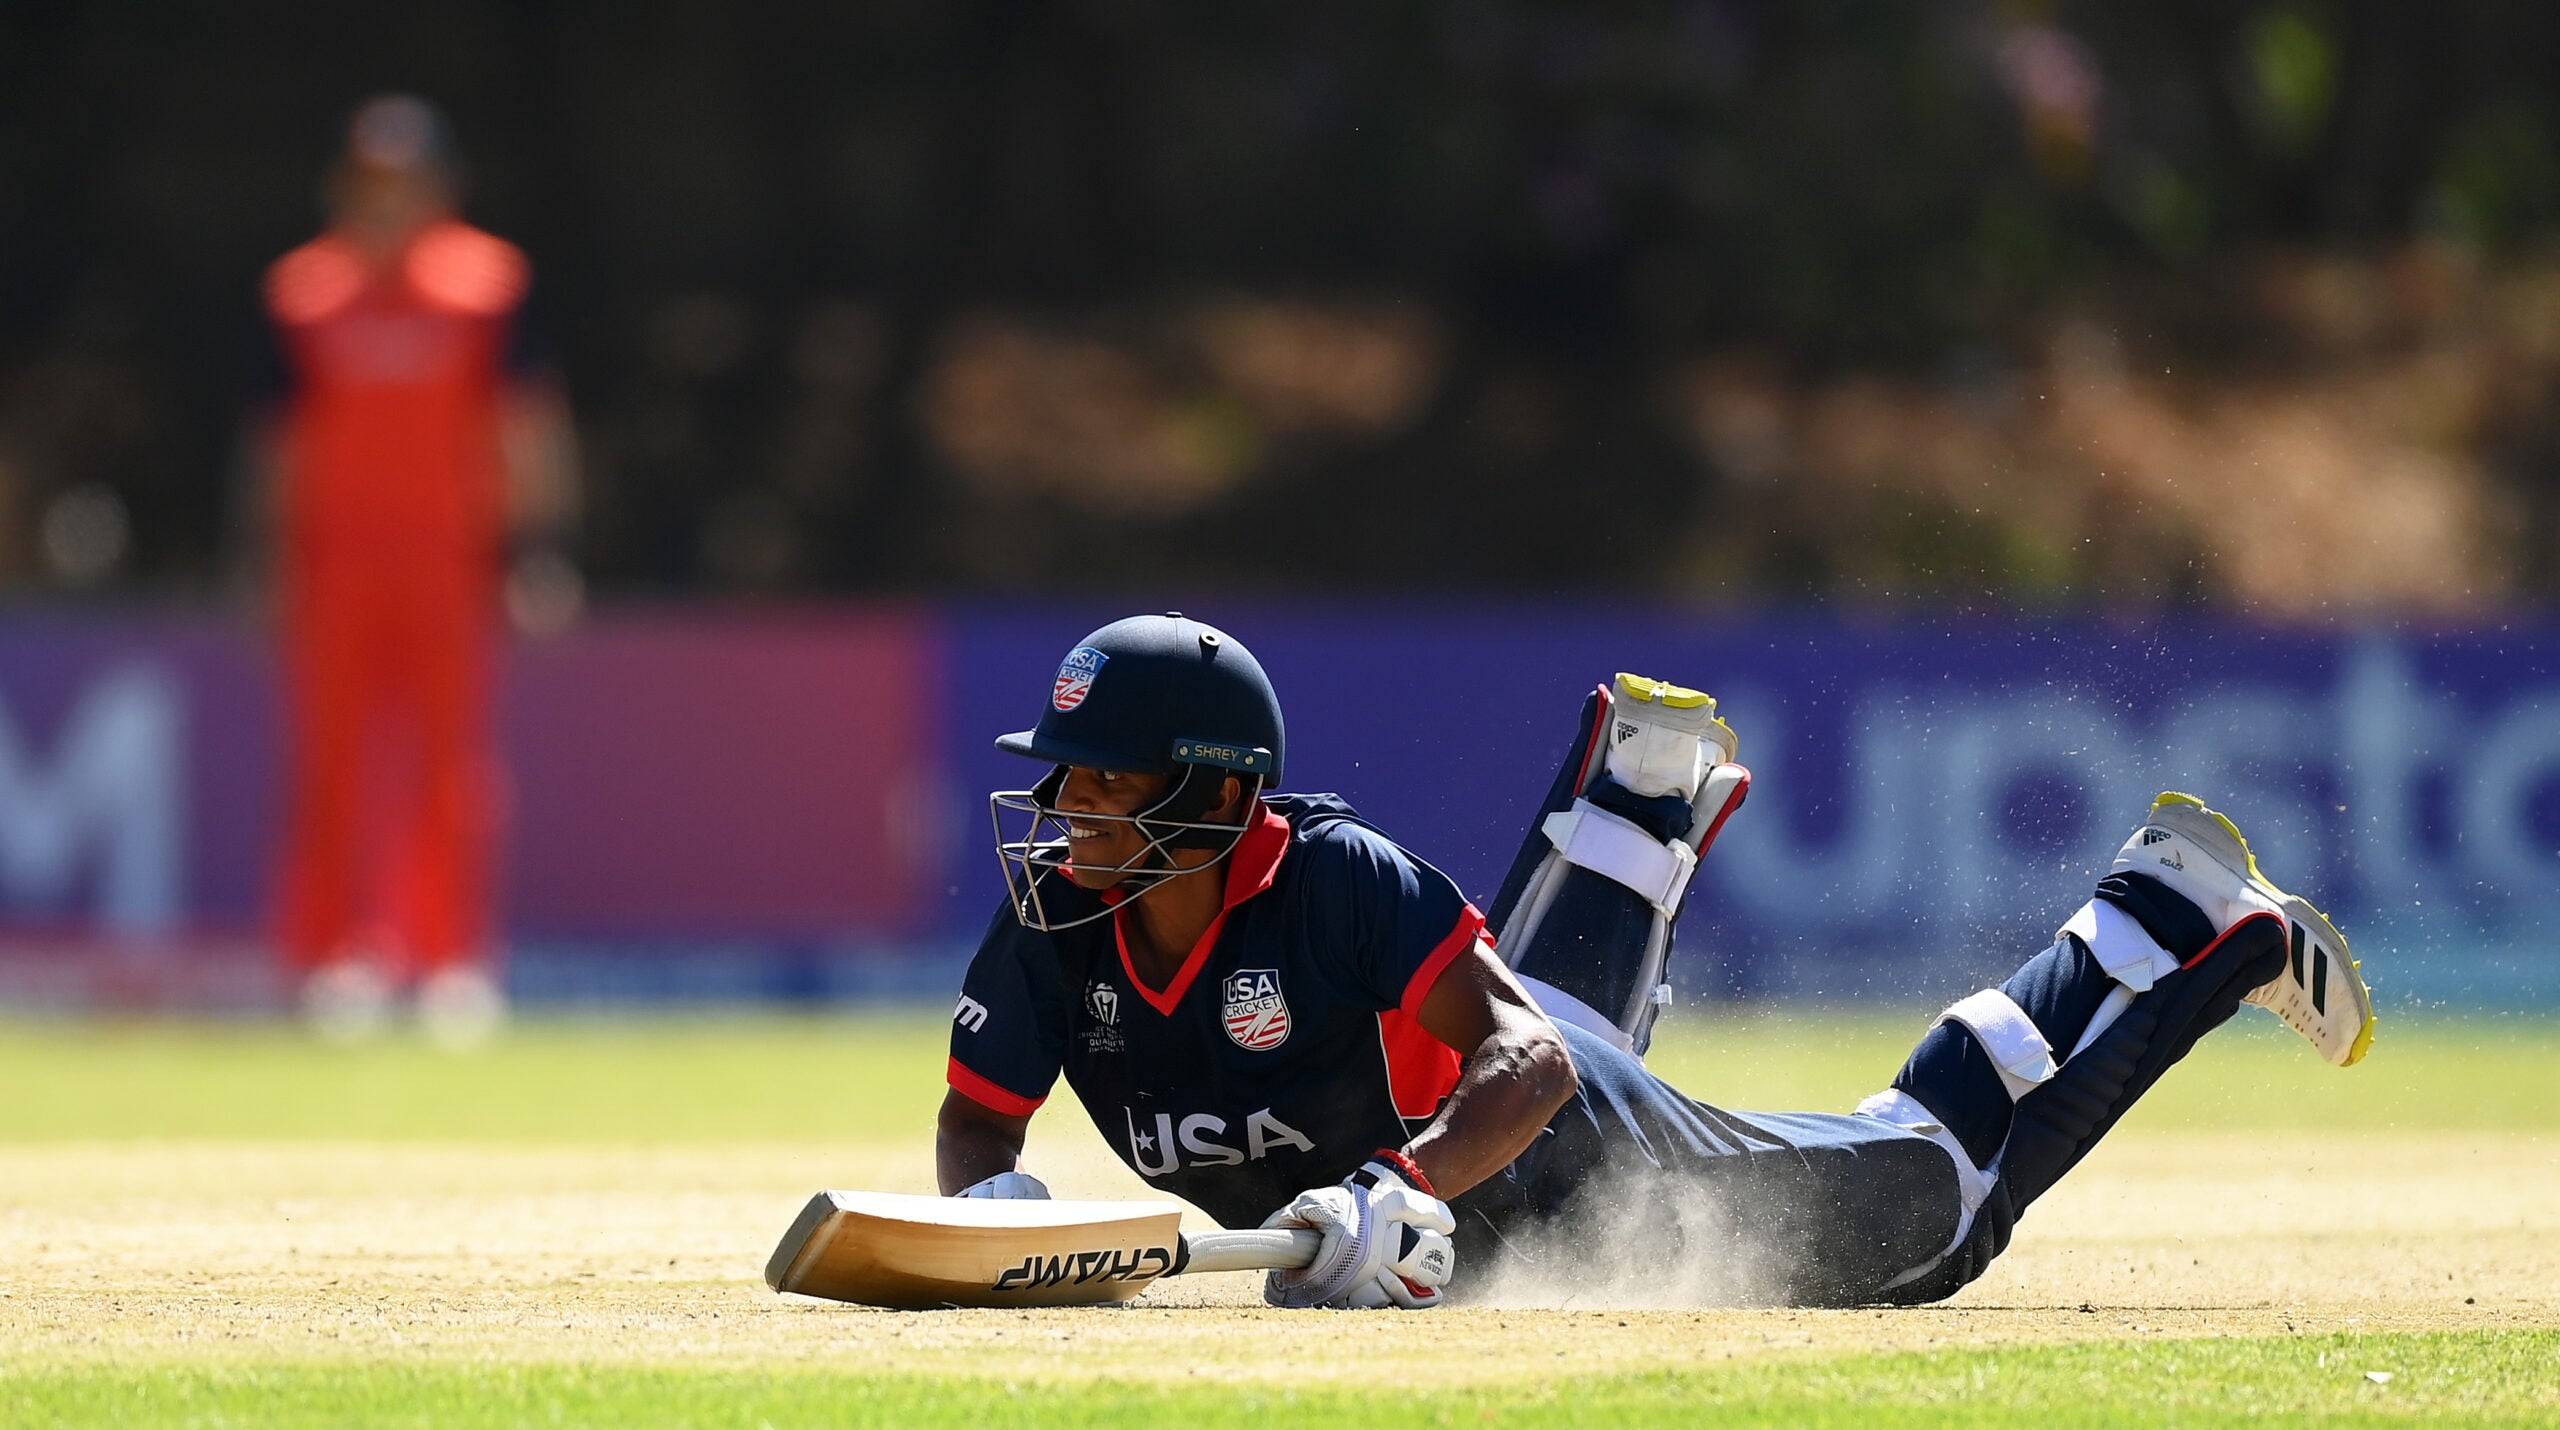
(2477,1379)
(227,1225)
(880,1077)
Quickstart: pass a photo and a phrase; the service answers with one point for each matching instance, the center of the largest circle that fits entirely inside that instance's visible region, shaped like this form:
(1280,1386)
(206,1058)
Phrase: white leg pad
(1972,1183)
(1614,848)
(2117,941)
(1563,1007)
(2130,956)
(2018,1051)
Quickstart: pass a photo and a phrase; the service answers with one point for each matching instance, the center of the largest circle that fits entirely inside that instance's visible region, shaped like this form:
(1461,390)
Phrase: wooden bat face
(910,1252)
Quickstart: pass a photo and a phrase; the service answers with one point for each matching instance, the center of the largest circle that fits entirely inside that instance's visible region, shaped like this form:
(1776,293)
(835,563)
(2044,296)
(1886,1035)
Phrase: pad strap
(2019,1052)
(1614,848)
(2128,954)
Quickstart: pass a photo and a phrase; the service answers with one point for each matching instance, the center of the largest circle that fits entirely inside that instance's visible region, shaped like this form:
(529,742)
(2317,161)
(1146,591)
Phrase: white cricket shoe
(461,1007)
(1663,738)
(345,1002)
(2321,992)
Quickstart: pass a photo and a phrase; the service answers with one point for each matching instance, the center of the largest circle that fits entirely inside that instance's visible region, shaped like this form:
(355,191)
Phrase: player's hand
(1009,1187)
(1386,1242)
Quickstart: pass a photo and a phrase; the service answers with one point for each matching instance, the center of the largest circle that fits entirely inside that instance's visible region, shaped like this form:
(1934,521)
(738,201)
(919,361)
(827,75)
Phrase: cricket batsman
(1273,1011)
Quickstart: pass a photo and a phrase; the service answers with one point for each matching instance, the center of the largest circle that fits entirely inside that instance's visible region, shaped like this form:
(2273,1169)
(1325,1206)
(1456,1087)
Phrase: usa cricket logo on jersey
(1257,1017)
(1075,677)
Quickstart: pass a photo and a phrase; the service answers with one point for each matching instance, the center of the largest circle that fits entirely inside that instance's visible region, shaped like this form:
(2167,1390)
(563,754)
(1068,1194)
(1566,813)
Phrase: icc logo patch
(1102,1013)
(1075,677)
(1257,1017)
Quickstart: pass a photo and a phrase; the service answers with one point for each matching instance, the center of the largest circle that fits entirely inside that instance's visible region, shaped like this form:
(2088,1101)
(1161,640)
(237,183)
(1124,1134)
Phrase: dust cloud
(1640,1239)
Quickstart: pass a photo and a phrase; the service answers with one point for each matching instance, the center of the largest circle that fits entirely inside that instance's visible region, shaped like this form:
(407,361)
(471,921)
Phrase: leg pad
(2056,1124)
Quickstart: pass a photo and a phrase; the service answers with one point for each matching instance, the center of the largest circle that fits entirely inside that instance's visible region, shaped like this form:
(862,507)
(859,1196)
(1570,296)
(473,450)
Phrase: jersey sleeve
(1009,1029)
(1404,921)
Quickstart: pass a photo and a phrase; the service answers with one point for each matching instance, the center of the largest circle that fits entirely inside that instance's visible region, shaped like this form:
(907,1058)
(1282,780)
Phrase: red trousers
(393,815)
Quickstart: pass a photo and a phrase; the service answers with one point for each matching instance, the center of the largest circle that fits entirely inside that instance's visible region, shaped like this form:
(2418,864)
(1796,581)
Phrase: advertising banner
(696,805)
(1932,796)
(793,803)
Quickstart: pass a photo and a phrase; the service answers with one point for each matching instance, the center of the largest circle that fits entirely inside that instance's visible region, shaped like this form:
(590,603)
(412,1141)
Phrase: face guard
(1039,856)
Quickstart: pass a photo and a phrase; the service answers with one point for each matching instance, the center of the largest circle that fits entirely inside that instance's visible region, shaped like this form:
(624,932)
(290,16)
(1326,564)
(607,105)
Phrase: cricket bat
(912,1253)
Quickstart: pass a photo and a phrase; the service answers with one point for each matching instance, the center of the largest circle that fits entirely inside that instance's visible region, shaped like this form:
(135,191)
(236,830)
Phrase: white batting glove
(1010,1187)
(1386,1241)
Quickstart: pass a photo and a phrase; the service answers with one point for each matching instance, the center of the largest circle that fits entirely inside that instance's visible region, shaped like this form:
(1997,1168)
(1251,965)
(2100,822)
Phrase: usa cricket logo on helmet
(1250,1004)
(1075,677)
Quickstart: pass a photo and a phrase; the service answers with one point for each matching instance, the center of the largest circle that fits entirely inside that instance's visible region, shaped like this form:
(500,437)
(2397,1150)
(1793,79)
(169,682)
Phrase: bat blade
(912,1252)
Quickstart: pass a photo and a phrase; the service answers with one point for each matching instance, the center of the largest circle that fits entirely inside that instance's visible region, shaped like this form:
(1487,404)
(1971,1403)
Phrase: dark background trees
(972,294)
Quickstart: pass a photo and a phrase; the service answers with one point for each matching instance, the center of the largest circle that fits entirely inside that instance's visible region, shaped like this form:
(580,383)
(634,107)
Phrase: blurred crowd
(1723,300)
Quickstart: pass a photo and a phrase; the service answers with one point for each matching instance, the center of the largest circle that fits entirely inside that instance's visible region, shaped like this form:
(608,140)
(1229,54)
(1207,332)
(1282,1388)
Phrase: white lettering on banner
(1921,850)
(2515,753)
(112,800)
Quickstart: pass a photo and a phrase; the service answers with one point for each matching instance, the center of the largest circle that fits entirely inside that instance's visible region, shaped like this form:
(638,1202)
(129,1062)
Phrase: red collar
(1251,867)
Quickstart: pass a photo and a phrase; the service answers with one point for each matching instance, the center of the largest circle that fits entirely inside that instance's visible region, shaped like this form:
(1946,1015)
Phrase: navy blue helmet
(1153,694)
(1162,695)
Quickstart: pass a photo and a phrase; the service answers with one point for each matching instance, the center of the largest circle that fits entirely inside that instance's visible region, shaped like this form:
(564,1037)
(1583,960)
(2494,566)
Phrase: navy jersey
(1285,1050)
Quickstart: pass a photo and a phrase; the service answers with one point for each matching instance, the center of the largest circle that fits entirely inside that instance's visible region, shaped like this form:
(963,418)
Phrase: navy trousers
(1791,1208)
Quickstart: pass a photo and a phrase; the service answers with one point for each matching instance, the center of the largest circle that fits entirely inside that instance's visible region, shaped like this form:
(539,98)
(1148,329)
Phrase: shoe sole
(2315,945)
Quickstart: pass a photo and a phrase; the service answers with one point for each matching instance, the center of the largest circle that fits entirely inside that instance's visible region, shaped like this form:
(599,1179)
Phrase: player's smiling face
(1098,850)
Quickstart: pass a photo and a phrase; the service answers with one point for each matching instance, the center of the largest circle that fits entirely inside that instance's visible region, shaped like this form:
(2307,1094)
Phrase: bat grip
(1267,1250)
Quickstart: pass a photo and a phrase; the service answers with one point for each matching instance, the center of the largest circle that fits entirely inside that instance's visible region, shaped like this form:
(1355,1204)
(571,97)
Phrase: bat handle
(1267,1250)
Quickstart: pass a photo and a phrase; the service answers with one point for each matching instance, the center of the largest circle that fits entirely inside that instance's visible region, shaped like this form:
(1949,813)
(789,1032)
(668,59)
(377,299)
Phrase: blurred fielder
(415,437)
(1270,1009)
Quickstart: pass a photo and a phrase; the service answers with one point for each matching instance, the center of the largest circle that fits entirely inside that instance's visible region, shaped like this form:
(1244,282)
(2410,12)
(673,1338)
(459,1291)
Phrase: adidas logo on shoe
(2154,836)
(1626,732)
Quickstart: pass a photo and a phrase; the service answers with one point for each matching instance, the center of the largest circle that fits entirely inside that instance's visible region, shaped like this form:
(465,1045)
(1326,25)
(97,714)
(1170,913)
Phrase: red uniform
(392,536)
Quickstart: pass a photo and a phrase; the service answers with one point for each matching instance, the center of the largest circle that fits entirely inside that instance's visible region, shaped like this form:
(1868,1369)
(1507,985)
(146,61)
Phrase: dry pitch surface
(607,1197)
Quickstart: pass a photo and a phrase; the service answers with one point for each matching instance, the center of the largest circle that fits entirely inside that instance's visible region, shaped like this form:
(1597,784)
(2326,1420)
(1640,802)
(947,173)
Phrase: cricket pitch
(596,1241)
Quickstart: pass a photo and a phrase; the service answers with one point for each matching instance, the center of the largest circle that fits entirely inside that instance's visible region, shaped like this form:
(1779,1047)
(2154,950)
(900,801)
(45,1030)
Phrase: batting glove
(1010,1187)
(1386,1241)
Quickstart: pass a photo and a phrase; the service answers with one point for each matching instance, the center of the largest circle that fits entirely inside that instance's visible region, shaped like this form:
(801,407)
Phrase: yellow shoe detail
(1697,706)
(1663,692)
(2293,908)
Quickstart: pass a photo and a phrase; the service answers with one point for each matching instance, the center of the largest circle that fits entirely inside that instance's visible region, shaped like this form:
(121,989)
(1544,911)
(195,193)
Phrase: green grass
(876,1079)
(2482,1378)
(2425,1074)
(879,1077)
(867,1079)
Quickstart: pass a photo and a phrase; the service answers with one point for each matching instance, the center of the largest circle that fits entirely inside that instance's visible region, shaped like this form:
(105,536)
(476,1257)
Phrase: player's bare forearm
(973,1142)
(1515,1074)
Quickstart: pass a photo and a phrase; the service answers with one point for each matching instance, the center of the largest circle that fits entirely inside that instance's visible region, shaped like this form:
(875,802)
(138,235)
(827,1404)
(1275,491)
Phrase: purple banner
(796,800)
(672,776)
(1932,797)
